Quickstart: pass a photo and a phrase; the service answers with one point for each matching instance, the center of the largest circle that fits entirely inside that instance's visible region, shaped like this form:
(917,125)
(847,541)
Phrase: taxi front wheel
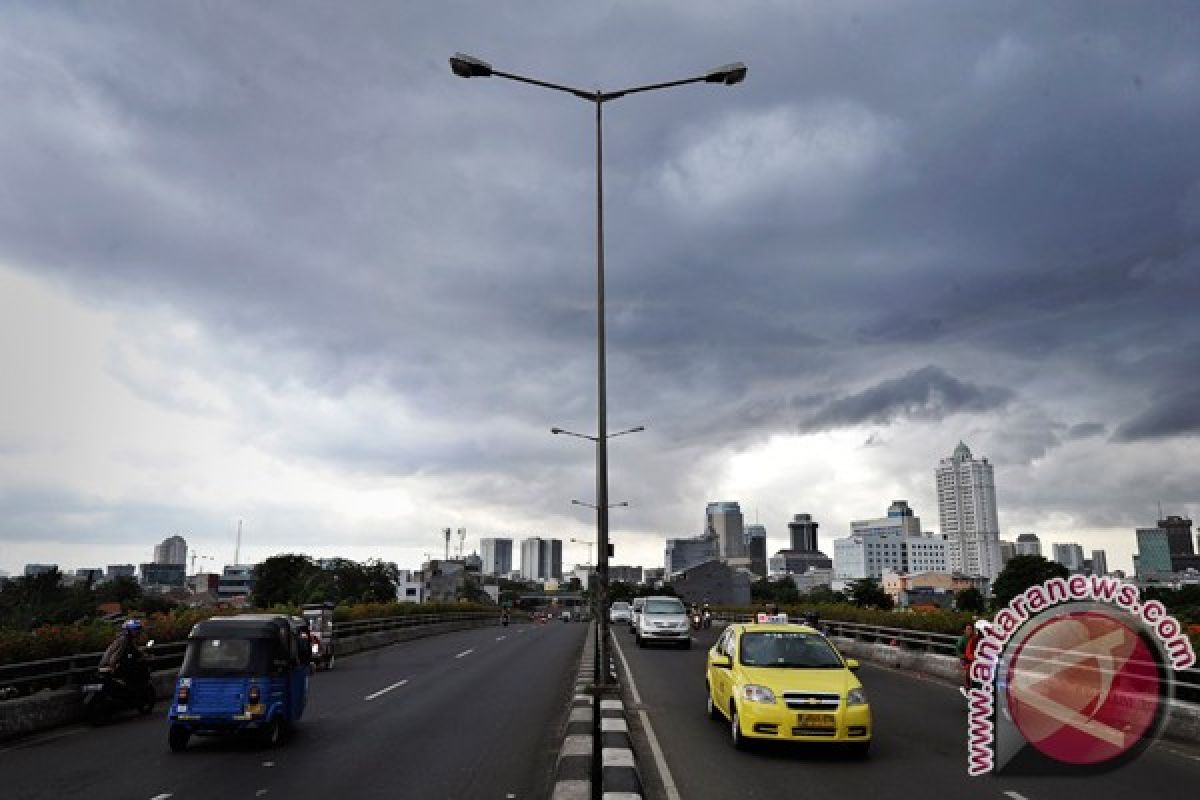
(735,729)
(711,707)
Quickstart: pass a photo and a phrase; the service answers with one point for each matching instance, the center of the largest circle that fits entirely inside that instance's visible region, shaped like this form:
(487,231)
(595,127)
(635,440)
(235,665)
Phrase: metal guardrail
(55,673)
(1187,682)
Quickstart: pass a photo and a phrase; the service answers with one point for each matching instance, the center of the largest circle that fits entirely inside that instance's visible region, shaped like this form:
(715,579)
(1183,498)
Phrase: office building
(966,491)
(541,559)
(871,554)
(685,553)
(497,555)
(163,577)
(1028,544)
(1179,535)
(1007,551)
(1099,562)
(900,520)
(803,532)
(32,570)
(173,550)
(1070,555)
(756,549)
(114,571)
(90,575)
(632,575)
(724,520)
(410,586)
(797,562)
(1153,551)
(237,582)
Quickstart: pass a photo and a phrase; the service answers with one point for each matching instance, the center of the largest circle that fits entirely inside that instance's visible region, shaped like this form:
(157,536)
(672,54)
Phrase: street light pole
(466,66)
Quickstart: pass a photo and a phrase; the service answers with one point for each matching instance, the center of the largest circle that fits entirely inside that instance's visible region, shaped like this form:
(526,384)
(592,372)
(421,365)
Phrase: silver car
(618,612)
(663,619)
(635,611)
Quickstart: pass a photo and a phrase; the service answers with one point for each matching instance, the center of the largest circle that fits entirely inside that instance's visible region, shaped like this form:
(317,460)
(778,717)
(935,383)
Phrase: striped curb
(621,779)
(573,770)
(572,775)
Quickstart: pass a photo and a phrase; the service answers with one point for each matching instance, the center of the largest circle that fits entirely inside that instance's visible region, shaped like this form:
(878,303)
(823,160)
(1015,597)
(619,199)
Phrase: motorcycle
(707,619)
(504,620)
(109,694)
(695,622)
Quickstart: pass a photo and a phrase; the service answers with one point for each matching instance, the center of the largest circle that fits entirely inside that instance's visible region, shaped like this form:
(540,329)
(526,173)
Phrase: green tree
(867,593)
(1020,573)
(286,580)
(970,599)
(123,589)
(824,594)
(382,578)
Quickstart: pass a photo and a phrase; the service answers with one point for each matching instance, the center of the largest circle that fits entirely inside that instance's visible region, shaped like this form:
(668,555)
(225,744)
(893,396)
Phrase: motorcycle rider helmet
(133,625)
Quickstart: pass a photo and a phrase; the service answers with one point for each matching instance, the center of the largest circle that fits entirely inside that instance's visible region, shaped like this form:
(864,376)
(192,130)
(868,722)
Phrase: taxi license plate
(816,721)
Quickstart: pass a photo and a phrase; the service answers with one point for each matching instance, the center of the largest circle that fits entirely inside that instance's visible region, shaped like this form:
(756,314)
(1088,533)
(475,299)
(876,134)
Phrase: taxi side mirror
(725,662)
(852,664)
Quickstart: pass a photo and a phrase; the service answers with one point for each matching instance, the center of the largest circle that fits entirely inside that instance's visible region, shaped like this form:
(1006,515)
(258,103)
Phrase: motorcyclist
(122,658)
(504,616)
(707,616)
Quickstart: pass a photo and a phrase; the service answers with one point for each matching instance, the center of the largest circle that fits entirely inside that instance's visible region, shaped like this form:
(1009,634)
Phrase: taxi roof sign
(772,618)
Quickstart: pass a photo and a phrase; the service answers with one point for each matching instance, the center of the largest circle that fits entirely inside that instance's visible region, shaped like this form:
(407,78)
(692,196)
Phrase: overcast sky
(274,262)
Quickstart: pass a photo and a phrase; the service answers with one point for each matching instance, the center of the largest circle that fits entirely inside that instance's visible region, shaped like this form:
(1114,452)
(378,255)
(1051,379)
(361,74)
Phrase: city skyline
(312,280)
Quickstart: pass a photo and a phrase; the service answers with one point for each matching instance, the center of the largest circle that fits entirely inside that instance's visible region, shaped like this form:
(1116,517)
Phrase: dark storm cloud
(924,394)
(1010,193)
(1176,414)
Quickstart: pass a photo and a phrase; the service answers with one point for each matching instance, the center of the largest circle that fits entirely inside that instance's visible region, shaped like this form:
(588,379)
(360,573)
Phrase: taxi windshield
(784,649)
(663,607)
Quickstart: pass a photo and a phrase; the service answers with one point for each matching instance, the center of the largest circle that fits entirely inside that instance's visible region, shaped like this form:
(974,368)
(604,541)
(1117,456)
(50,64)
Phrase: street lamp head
(465,66)
(556,430)
(728,74)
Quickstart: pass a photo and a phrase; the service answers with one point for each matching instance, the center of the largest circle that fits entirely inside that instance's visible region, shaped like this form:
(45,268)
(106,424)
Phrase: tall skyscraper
(496,553)
(756,549)
(803,530)
(1099,562)
(725,520)
(1028,544)
(966,490)
(1179,535)
(541,559)
(1070,555)
(1153,551)
(1007,551)
(173,550)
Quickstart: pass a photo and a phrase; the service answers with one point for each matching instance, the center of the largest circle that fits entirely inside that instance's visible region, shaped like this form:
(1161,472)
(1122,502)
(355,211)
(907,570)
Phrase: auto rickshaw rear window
(224,654)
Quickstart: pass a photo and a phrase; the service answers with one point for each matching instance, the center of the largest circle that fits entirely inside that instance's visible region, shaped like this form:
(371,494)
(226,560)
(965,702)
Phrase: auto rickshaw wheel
(178,737)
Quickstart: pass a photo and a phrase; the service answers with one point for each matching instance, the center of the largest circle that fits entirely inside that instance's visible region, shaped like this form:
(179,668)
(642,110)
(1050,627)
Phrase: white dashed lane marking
(465,653)
(386,689)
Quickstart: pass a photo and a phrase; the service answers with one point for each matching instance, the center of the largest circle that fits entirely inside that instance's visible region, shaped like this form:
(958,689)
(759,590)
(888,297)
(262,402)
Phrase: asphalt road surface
(478,715)
(919,748)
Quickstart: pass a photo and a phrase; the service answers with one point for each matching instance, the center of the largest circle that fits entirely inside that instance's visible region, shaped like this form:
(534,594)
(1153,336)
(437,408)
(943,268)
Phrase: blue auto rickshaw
(242,674)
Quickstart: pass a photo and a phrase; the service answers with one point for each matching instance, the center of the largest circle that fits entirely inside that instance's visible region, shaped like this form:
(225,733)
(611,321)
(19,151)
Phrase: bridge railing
(1187,682)
(26,677)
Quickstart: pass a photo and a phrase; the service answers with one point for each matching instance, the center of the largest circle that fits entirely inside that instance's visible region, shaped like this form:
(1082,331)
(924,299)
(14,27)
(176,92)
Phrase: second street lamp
(466,66)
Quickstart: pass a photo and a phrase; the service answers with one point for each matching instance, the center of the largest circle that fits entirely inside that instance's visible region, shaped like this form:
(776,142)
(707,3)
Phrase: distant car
(618,612)
(634,611)
(663,619)
(786,682)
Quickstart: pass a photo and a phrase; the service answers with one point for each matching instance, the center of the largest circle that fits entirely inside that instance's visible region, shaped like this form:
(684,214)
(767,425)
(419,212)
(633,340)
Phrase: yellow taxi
(787,682)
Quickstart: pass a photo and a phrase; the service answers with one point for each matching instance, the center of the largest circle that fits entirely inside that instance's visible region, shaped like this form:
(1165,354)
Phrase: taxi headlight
(856,697)
(754,693)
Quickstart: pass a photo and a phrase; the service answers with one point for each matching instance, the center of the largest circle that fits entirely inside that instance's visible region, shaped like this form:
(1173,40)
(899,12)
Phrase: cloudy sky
(274,262)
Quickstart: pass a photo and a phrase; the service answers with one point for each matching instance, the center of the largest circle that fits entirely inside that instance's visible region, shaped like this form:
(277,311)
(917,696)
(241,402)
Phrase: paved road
(919,748)
(479,717)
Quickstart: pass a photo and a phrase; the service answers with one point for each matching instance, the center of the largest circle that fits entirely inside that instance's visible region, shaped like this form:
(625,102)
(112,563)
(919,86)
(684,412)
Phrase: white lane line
(501,638)
(660,760)
(160,797)
(386,689)
(1016,796)
(465,653)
